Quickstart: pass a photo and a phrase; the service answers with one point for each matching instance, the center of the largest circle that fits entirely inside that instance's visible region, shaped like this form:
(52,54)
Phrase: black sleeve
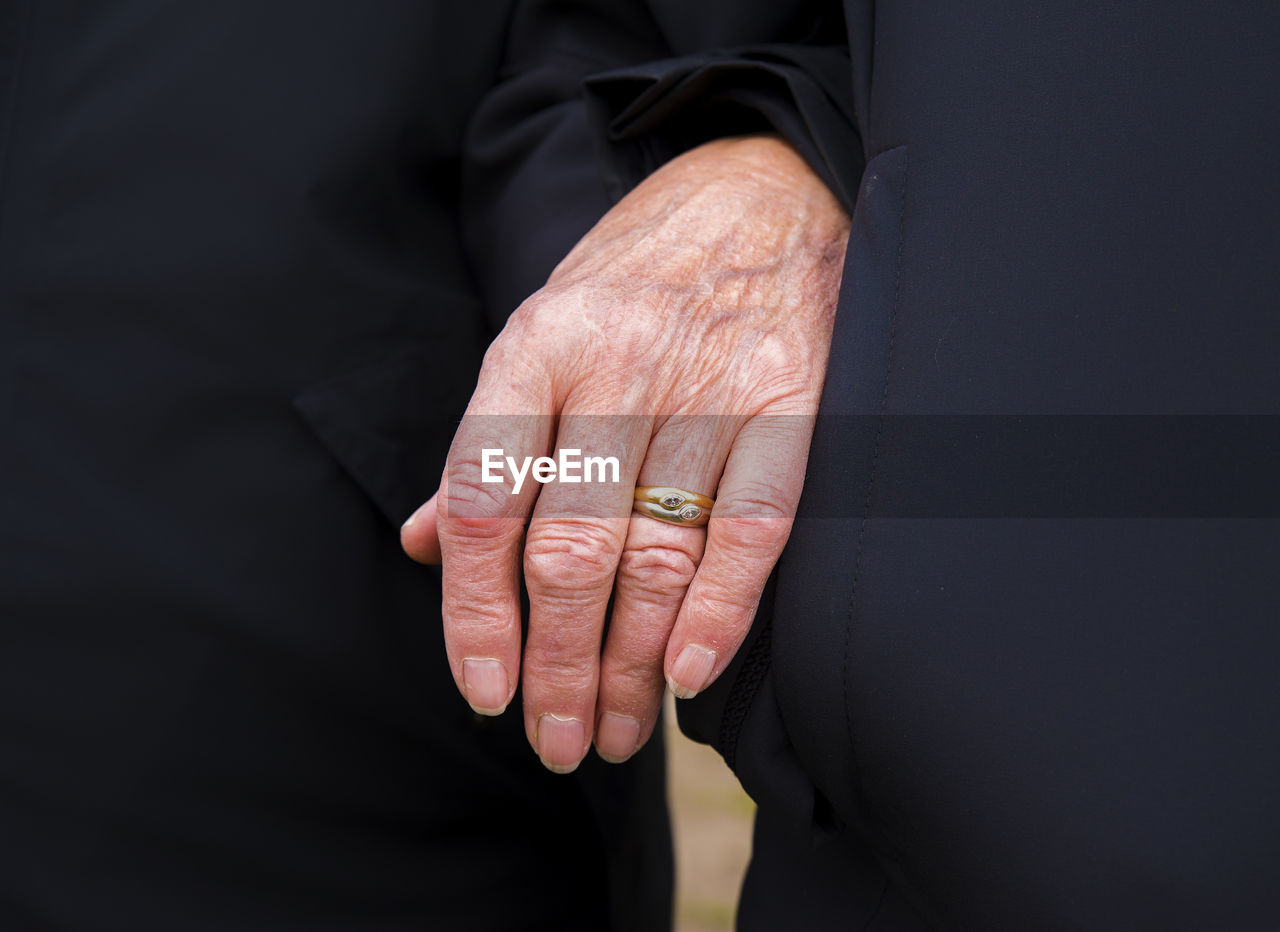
(648,114)
(544,159)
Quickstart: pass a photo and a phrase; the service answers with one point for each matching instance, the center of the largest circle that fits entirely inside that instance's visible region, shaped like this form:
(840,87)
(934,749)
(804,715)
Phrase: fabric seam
(755,667)
(875,458)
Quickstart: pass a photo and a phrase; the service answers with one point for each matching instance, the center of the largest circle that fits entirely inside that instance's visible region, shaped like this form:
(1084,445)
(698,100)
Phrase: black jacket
(237,328)
(226,251)
(1020,667)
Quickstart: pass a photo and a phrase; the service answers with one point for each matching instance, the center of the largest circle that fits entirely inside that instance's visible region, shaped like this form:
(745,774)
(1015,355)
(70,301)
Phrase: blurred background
(712,820)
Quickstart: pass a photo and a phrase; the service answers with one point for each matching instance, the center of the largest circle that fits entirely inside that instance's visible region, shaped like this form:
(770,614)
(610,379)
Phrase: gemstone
(671,500)
(690,512)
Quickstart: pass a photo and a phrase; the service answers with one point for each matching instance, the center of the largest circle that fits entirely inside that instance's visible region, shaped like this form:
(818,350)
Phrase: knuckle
(496,355)
(756,519)
(724,614)
(566,647)
(778,374)
(474,509)
(776,355)
(471,629)
(761,501)
(658,568)
(549,320)
(524,316)
(569,557)
(513,342)
(558,672)
(639,697)
(474,621)
(752,544)
(634,671)
(568,650)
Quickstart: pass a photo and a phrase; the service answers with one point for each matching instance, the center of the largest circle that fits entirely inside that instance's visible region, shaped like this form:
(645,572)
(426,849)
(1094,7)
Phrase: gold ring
(674,506)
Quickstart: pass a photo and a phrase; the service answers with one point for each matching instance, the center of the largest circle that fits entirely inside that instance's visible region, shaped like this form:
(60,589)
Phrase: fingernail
(409,523)
(691,671)
(617,737)
(561,742)
(486,684)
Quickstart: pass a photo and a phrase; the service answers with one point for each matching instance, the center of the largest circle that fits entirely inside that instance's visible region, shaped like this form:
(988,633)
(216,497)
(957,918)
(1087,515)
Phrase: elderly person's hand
(687,336)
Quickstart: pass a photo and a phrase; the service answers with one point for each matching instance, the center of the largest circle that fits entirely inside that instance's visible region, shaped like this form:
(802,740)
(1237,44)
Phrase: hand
(687,336)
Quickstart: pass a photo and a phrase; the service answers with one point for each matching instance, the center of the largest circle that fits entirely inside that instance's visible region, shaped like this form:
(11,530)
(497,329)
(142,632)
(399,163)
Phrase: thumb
(419,535)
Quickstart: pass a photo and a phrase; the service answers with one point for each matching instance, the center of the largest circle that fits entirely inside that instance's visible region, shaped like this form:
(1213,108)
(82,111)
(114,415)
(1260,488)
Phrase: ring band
(674,506)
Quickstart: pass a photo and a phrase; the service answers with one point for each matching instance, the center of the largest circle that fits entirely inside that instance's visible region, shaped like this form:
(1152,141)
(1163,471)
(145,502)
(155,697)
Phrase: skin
(687,334)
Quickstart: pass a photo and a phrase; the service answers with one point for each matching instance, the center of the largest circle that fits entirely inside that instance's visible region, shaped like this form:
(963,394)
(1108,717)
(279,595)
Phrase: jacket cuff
(644,116)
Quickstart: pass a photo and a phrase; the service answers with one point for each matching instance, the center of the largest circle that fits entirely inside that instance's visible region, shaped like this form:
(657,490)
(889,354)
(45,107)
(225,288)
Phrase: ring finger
(657,564)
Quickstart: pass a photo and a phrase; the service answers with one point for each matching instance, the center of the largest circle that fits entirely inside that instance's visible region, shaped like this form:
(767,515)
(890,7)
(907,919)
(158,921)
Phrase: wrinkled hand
(687,336)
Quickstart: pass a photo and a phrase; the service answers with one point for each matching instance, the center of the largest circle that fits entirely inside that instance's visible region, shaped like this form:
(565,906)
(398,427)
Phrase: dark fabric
(531,174)
(654,113)
(222,690)
(1064,720)
(237,328)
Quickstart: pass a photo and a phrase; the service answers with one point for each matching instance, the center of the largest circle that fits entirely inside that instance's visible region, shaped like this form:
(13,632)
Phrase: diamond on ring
(672,505)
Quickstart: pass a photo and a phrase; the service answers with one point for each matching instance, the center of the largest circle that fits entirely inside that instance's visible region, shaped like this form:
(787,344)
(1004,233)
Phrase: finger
(481,511)
(419,536)
(657,564)
(749,525)
(570,556)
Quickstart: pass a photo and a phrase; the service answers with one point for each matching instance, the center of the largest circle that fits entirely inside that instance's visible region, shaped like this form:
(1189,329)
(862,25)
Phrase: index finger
(483,504)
